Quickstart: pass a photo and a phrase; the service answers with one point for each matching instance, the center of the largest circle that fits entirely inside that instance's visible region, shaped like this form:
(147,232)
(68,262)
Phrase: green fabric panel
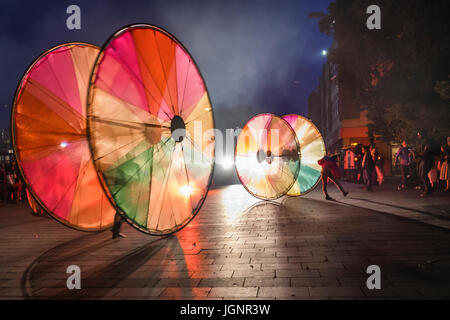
(129,184)
(307,178)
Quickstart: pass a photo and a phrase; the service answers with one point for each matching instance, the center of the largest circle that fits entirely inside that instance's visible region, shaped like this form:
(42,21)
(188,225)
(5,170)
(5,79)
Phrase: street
(241,248)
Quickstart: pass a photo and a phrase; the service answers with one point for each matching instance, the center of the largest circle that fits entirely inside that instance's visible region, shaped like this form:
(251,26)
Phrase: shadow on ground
(43,278)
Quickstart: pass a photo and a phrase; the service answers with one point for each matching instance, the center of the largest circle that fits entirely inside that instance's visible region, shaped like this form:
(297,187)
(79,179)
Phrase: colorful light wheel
(49,138)
(150,125)
(267,156)
(35,207)
(313,149)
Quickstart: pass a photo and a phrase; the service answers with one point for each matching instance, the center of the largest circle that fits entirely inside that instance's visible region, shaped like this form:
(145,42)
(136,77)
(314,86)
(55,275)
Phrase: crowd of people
(362,164)
(422,167)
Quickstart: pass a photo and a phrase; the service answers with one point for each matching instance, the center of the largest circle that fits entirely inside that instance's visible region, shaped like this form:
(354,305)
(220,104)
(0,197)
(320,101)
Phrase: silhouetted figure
(330,171)
(426,162)
(403,156)
(118,221)
(443,164)
(368,166)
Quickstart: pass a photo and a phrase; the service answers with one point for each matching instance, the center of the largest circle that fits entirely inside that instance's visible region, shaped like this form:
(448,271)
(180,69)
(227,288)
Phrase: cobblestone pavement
(241,248)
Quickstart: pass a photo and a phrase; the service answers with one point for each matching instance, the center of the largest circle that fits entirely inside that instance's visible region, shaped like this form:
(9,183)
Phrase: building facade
(6,151)
(334,109)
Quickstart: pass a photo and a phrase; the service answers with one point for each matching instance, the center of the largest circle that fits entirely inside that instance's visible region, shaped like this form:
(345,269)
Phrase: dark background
(255,56)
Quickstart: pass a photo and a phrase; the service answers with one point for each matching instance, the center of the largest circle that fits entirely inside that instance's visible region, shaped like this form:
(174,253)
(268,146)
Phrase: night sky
(261,55)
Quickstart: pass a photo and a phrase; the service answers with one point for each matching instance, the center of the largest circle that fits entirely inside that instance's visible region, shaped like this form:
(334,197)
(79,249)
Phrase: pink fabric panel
(290,119)
(56,72)
(54,177)
(120,75)
(165,112)
(190,87)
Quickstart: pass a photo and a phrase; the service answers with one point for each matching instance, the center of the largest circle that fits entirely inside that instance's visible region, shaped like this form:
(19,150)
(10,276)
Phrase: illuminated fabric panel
(150,125)
(267,156)
(33,204)
(49,137)
(313,149)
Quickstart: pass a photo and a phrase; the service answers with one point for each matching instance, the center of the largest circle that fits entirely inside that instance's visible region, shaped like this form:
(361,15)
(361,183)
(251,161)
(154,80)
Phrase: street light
(324,52)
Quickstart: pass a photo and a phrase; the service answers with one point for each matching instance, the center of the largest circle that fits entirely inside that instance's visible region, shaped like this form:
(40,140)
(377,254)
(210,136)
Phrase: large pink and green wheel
(313,149)
(267,156)
(150,127)
(48,124)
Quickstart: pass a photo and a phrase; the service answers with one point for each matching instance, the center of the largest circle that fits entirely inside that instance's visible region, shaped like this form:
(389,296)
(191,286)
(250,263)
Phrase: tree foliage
(401,72)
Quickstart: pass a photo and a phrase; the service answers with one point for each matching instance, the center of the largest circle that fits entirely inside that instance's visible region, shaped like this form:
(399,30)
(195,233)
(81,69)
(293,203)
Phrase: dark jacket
(367,162)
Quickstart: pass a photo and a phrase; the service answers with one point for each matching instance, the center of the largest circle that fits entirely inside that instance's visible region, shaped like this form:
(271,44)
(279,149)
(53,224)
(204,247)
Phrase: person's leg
(374,176)
(426,179)
(365,176)
(406,168)
(403,175)
(368,175)
(324,184)
(338,184)
(118,220)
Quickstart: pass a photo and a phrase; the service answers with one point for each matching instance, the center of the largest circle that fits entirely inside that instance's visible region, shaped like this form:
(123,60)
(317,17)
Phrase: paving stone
(336,291)
(228,292)
(266,282)
(177,283)
(185,293)
(315,282)
(221,282)
(253,273)
(281,292)
(213,274)
(289,273)
(304,248)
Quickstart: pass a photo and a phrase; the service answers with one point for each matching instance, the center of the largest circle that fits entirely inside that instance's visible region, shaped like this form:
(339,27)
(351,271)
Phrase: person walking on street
(118,221)
(404,155)
(426,163)
(377,174)
(368,166)
(443,164)
(330,171)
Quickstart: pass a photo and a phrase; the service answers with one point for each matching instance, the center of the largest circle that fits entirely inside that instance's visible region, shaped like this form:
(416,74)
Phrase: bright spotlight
(324,52)
(186,191)
(227,163)
(63,144)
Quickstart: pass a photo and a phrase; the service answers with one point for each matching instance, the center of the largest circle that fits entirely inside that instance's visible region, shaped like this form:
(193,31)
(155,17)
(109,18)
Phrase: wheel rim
(144,86)
(50,142)
(267,156)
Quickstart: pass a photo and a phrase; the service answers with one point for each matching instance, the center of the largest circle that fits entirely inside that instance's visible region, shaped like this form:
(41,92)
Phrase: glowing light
(235,200)
(186,191)
(63,144)
(324,52)
(227,163)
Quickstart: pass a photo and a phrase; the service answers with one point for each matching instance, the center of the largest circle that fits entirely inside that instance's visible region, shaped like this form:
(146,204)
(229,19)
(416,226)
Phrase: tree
(402,71)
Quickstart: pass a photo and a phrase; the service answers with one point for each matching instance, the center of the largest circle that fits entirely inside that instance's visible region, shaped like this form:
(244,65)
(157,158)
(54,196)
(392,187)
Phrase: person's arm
(412,155)
(396,157)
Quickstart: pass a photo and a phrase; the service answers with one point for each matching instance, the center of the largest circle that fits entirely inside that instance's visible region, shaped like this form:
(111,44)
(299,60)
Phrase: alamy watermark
(73,21)
(74,280)
(374,20)
(374,280)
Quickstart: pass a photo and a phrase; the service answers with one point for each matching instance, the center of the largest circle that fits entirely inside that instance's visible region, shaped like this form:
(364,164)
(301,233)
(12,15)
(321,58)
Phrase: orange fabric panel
(156,53)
